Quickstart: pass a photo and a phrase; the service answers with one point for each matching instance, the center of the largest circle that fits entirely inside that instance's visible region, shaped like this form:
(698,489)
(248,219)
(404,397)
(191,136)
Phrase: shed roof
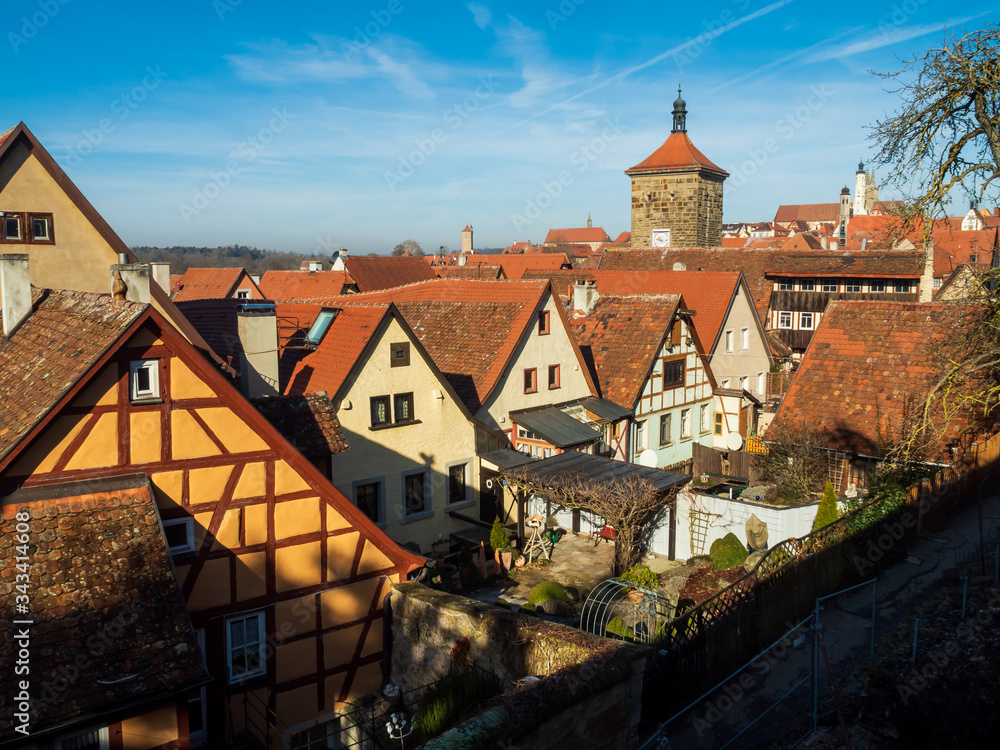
(555,426)
(599,469)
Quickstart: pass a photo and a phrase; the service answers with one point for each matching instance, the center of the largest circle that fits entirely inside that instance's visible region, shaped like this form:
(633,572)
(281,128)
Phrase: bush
(827,511)
(499,538)
(728,552)
(641,576)
(546,591)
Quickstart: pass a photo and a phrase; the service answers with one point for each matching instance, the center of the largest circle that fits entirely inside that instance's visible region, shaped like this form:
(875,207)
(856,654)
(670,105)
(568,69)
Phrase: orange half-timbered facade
(283,578)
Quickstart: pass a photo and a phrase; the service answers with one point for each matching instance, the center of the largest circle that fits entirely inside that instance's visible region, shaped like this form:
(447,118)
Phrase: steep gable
(304,285)
(214,283)
(372,274)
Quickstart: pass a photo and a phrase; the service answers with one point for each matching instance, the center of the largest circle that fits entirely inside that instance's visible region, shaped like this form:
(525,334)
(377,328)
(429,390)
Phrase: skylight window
(320,326)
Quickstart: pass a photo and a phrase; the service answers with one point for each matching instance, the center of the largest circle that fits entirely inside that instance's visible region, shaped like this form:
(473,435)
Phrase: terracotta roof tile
(52,348)
(102,588)
(297,285)
(808,212)
(372,274)
(309,423)
(514,266)
(479,272)
(577,234)
(868,365)
(677,153)
(207,283)
(620,338)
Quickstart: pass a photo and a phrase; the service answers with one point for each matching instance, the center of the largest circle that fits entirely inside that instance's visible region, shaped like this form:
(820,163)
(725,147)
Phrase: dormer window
(144,383)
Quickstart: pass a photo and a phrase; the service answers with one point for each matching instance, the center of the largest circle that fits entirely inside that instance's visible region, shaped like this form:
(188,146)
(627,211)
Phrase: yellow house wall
(444,436)
(538,351)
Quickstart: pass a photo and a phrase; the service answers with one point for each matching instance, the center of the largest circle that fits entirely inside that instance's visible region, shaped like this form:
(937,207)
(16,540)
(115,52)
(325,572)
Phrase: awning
(505,459)
(555,427)
(605,409)
(598,469)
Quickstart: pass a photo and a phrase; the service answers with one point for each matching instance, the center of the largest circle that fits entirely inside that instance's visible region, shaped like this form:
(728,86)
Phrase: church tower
(467,240)
(677,193)
(861,191)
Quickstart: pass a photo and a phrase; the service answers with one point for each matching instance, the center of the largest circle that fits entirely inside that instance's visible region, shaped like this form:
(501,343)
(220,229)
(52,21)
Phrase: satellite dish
(734,441)
(648,458)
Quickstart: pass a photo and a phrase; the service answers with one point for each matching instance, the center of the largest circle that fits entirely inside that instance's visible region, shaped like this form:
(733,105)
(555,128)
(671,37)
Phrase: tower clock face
(661,238)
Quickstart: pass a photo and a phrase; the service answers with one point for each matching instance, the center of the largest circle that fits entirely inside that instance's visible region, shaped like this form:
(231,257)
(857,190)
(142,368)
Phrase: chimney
(338,261)
(834,246)
(15,290)
(258,331)
(679,266)
(462,260)
(161,275)
(134,277)
(584,296)
(824,243)
(925,292)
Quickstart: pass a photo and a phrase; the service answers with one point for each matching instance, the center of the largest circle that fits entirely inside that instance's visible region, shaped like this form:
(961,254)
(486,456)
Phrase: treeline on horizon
(255,261)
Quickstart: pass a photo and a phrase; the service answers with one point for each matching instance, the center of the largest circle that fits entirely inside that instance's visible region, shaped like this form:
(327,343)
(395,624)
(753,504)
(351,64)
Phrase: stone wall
(589,694)
(687,203)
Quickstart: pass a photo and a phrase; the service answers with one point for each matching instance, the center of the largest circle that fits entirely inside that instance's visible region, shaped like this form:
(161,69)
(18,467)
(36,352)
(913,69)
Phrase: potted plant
(500,542)
(640,577)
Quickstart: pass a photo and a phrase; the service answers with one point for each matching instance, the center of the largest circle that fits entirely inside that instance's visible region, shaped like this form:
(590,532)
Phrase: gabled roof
(479,272)
(802,241)
(384,272)
(309,423)
(36,371)
(677,154)
(470,329)
(878,264)
(21,133)
(110,577)
(210,283)
(751,262)
(620,338)
(514,266)
(577,234)
(623,239)
(868,368)
(809,212)
(300,285)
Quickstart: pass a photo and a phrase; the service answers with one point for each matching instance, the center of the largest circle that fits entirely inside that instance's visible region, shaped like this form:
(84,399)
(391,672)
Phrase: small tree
(633,505)
(827,511)
(794,463)
(499,538)
(407,245)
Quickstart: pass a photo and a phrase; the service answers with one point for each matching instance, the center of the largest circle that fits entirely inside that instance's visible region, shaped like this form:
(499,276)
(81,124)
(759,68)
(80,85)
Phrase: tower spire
(680,113)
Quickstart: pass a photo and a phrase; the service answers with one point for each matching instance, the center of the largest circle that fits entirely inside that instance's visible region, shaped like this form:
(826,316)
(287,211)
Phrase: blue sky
(314,126)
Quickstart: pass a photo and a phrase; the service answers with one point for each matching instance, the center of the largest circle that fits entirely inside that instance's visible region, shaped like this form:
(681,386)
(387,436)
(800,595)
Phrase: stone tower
(677,193)
(861,191)
(845,213)
(467,240)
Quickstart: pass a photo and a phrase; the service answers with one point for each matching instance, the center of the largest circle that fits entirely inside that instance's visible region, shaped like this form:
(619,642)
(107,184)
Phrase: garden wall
(588,695)
(720,516)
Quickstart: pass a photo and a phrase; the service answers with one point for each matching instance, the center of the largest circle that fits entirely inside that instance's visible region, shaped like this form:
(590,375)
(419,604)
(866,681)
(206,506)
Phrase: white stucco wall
(751,362)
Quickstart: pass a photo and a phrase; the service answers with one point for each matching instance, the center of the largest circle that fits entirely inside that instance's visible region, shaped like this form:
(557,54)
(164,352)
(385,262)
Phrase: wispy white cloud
(886,36)
(480,14)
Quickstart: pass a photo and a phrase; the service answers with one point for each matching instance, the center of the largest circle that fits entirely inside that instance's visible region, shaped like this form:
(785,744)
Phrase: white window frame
(937,282)
(831,285)
(242,294)
(188,524)
(467,483)
(807,285)
(640,436)
(261,642)
(729,341)
(743,382)
(670,429)
(783,322)
(761,383)
(877,283)
(724,383)
(852,286)
(704,422)
(102,736)
(811,317)
(685,423)
(897,287)
(744,339)
(151,366)
(786,285)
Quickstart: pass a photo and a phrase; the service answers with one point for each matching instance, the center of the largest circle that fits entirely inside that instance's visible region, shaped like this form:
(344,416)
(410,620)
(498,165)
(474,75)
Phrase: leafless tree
(946,133)
(632,505)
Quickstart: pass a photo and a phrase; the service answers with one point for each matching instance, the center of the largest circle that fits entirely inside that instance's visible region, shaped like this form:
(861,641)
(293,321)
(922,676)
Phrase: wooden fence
(714,639)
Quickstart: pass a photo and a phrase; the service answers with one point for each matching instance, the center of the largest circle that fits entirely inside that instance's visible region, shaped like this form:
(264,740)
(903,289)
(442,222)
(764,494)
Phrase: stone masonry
(688,203)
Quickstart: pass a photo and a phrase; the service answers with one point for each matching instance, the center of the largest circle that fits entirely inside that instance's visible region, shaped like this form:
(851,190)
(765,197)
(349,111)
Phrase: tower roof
(467,228)
(677,154)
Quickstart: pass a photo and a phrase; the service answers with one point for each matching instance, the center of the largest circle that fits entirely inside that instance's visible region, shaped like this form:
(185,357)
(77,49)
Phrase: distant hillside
(230,256)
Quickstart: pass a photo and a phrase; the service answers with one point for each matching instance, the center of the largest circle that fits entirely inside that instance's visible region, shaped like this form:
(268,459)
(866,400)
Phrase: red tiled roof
(623,239)
(73,329)
(735,242)
(869,366)
(514,266)
(470,329)
(904,264)
(383,272)
(480,272)
(808,212)
(750,262)
(101,568)
(576,235)
(802,241)
(6,134)
(298,285)
(208,283)
(620,338)
(677,154)
(309,423)
(707,292)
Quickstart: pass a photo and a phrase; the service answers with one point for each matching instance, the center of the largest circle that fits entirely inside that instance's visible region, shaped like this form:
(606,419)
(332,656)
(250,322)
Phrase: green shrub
(499,538)
(727,552)
(546,591)
(444,704)
(640,575)
(618,627)
(827,511)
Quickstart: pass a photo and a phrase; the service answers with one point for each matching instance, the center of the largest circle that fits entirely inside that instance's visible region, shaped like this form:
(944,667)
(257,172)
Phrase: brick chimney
(15,290)
(135,277)
(258,330)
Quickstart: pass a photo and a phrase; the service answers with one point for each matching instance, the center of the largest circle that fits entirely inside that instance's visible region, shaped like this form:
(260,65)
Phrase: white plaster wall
(751,362)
